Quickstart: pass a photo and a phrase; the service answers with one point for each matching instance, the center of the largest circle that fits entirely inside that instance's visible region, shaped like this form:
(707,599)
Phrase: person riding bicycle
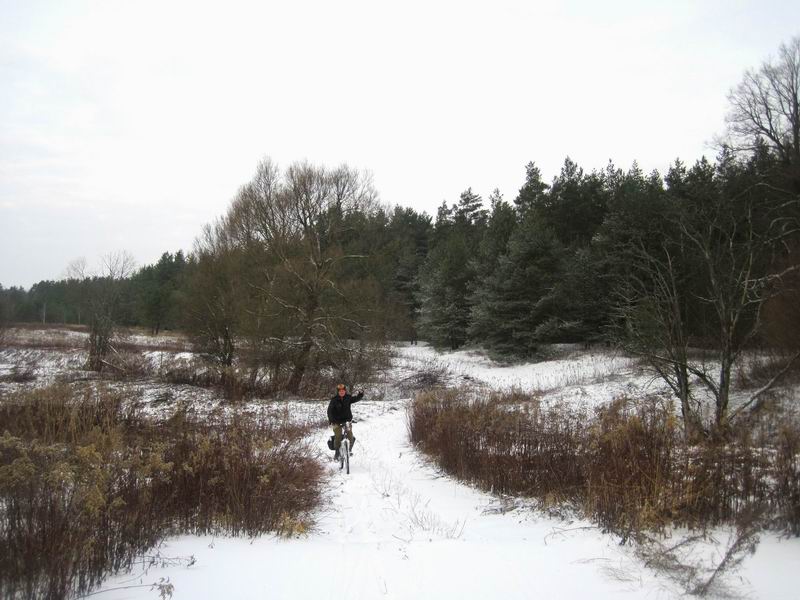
(339,413)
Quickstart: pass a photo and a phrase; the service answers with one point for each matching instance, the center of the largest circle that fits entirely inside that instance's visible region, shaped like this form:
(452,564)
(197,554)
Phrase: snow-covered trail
(412,533)
(395,528)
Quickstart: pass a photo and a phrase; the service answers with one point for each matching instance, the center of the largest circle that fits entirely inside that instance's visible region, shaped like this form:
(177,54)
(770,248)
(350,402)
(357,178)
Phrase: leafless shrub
(235,384)
(126,366)
(87,485)
(531,452)
(242,478)
(629,467)
(361,365)
(429,375)
(185,372)
(787,473)
(60,414)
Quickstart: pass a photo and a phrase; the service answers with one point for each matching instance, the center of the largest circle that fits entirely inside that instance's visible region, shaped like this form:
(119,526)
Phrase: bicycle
(345,448)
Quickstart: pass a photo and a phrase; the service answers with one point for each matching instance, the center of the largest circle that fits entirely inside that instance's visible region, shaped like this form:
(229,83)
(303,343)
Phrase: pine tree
(514,302)
(444,287)
(493,246)
(533,190)
(447,277)
(575,206)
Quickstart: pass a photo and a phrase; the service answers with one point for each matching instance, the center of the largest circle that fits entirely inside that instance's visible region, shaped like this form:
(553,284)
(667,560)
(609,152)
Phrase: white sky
(128,125)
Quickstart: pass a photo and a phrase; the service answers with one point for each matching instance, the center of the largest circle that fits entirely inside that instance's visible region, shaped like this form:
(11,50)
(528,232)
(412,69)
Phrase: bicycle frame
(344,449)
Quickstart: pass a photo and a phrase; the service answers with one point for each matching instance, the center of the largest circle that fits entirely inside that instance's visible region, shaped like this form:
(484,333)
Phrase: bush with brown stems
(627,466)
(87,485)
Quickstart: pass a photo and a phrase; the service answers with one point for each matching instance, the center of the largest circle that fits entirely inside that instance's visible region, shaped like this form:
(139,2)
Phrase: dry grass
(37,335)
(627,466)
(87,485)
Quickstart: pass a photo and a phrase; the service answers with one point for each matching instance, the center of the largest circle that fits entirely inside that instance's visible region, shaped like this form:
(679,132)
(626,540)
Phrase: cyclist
(339,413)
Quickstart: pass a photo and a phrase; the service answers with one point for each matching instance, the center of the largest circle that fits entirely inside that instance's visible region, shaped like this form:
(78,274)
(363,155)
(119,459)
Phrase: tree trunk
(723,395)
(300,364)
(691,422)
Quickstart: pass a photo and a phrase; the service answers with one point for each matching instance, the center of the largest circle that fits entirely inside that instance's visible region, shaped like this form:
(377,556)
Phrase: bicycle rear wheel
(344,455)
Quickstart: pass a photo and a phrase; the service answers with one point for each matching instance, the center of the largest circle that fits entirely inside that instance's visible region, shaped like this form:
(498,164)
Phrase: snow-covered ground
(574,375)
(398,528)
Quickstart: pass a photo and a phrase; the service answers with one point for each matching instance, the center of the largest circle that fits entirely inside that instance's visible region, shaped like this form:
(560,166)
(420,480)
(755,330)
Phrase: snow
(576,376)
(396,527)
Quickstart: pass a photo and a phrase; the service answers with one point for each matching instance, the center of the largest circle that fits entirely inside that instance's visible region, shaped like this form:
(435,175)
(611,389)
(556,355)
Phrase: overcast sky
(128,125)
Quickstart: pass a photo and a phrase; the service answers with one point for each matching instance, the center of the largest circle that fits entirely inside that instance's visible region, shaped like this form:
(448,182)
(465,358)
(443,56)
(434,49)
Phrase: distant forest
(550,266)
(306,257)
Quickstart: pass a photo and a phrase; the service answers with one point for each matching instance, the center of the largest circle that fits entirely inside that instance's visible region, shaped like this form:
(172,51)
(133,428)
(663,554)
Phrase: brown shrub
(628,467)
(787,492)
(529,451)
(87,485)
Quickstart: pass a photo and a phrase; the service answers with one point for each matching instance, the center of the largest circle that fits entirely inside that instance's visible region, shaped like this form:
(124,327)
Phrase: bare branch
(766,387)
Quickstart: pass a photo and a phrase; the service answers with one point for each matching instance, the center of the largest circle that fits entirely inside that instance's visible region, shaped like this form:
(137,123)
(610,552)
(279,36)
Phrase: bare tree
(735,249)
(731,249)
(765,105)
(297,221)
(652,305)
(102,291)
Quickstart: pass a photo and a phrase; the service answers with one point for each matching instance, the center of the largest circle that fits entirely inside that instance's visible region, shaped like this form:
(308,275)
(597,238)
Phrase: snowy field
(398,528)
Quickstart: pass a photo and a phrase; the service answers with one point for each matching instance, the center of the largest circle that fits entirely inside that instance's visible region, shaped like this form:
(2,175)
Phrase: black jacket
(339,408)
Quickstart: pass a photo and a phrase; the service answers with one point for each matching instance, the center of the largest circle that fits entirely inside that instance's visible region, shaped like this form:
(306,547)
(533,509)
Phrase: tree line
(148,297)
(306,269)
